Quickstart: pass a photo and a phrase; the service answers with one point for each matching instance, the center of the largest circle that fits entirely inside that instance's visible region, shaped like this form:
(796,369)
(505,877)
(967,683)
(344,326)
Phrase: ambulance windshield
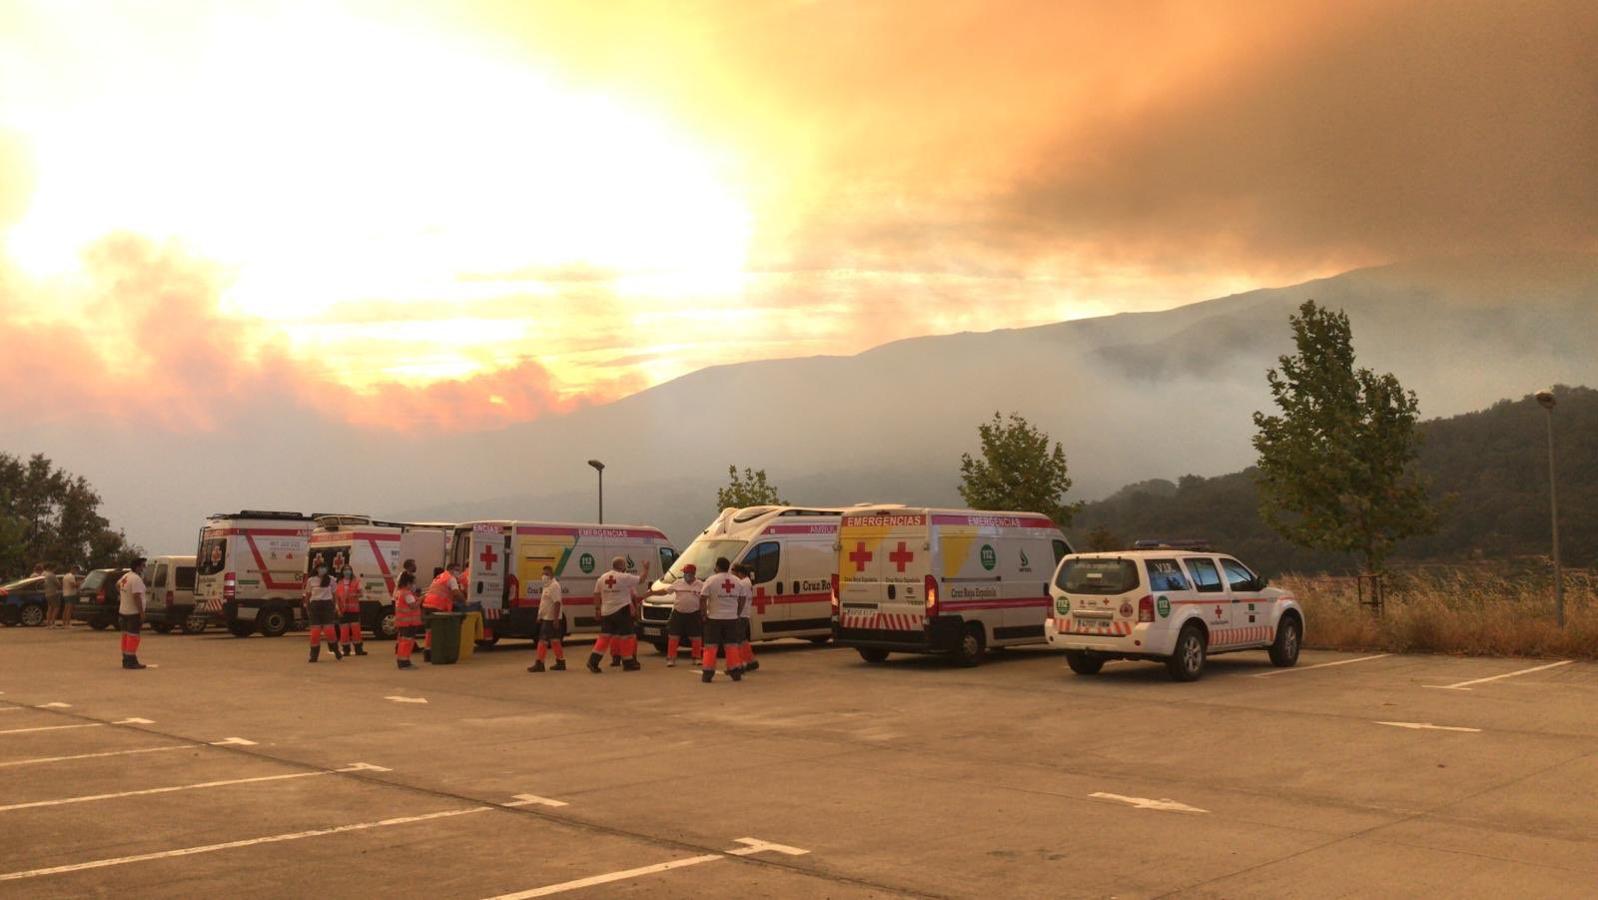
(702,555)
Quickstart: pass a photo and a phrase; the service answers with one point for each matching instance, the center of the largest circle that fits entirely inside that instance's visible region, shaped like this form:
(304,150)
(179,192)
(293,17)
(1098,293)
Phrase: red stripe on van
(596,530)
(260,563)
(995,521)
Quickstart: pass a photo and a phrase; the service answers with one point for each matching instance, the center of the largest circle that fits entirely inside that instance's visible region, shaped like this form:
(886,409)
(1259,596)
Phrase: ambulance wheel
(1187,659)
(162,627)
(274,621)
(972,647)
(194,625)
(385,630)
(240,629)
(1289,635)
(872,654)
(1083,664)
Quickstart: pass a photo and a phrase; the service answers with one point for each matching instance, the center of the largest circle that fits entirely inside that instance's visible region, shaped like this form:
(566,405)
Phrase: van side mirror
(1261,582)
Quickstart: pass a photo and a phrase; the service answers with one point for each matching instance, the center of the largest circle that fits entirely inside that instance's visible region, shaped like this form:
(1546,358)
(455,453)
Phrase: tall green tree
(49,515)
(749,489)
(1336,463)
(1017,471)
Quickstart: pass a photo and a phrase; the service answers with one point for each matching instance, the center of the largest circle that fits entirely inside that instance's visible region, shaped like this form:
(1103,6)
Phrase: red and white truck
(250,570)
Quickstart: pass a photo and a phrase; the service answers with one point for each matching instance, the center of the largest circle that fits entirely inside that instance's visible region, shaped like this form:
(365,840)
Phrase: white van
(954,581)
(250,570)
(375,551)
(169,602)
(1170,605)
(789,552)
(504,563)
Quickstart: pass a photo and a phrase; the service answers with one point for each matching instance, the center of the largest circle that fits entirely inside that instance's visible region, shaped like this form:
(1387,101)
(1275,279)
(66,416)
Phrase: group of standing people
(60,593)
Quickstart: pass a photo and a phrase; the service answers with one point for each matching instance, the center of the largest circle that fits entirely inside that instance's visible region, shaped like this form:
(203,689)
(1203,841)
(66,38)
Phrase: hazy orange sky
(479,213)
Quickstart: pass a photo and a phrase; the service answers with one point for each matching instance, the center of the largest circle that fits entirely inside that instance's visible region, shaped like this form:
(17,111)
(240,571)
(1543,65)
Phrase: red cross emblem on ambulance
(761,600)
(860,556)
(489,557)
(901,556)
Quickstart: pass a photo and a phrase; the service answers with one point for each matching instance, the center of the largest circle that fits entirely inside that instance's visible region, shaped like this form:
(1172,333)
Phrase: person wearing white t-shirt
(687,620)
(551,616)
(746,649)
(130,612)
(614,593)
(724,597)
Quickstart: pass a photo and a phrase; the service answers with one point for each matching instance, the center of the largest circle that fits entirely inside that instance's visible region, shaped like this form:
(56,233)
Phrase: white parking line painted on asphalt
(1465,685)
(1326,665)
(231,845)
(52,728)
(1427,726)
(751,846)
(534,800)
(407,699)
(1166,805)
(55,705)
(233,742)
(134,721)
(608,877)
(354,767)
(51,759)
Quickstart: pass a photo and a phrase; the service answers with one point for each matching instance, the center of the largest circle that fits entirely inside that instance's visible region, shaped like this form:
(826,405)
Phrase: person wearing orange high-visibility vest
(723,597)
(407,618)
(442,596)
(348,594)
(614,593)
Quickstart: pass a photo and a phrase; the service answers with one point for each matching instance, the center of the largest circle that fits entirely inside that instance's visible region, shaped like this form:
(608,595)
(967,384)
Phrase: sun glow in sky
(510,207)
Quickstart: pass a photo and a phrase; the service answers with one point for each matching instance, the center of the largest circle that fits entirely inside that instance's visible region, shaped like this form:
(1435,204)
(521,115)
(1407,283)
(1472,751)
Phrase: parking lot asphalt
(235,768)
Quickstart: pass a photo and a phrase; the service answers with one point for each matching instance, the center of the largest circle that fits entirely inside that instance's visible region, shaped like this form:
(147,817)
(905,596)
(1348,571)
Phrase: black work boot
(360,650)
(316,651)
(333,648)
(706,676)
(630,665)
(131,662)
(536,667)
(559,666)
(615,661)
(346,649)
(403,663)
(593,663)
(737,674)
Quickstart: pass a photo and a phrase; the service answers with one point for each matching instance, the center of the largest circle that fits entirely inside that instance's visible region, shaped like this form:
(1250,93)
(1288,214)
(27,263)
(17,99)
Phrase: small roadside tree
(748,489)
(1017,471)
(1336,463)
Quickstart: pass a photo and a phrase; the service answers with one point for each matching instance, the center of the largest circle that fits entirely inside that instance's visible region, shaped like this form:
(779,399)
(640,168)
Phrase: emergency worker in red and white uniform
(746,648)
(614,594)
(407,618)
(723,596)
(551,623)
(442,596)
(347,595)
(687,619)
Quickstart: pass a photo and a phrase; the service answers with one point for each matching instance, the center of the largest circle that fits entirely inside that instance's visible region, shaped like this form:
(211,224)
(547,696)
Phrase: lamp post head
(1545,398)
(598,466)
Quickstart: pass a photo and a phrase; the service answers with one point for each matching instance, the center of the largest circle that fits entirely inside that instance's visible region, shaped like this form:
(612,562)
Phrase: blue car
(22,602)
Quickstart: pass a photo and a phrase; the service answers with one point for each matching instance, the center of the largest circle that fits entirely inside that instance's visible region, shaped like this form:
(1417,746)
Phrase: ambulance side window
(1166,575)
(158,579)
(667,557)
(763,561)
(185,578)
(1061,551)
(1206,578)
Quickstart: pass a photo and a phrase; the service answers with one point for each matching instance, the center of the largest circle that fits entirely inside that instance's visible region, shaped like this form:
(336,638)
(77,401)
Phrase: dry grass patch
(1468,610)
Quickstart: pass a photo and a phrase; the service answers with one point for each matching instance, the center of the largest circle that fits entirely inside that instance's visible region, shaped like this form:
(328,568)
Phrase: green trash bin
(445,629)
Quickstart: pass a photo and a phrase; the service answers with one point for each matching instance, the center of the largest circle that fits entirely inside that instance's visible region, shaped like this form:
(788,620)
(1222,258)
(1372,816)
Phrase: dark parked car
(22,602)
(97,599)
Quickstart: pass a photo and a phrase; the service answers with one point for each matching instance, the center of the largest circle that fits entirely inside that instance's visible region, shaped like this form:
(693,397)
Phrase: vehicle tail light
(931,588)
(99,596)
(835,604)
(230,586)
(1145,609)
(6,593)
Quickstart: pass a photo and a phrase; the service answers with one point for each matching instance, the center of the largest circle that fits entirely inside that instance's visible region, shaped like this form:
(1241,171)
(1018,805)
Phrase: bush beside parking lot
(1466,610)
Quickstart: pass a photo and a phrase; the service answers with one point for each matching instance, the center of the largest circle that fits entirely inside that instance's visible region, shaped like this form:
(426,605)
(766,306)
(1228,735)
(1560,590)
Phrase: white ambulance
(789,552)
(1170,605)
(504,563)
(375,551)
(954,581)
(250,570)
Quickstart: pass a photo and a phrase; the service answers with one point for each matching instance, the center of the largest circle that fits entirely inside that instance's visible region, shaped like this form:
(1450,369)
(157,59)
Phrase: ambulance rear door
(883,561)
(490,550)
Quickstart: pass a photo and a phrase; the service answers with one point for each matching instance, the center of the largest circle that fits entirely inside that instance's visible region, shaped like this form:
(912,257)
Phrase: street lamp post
(1546,400)
(600,468)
